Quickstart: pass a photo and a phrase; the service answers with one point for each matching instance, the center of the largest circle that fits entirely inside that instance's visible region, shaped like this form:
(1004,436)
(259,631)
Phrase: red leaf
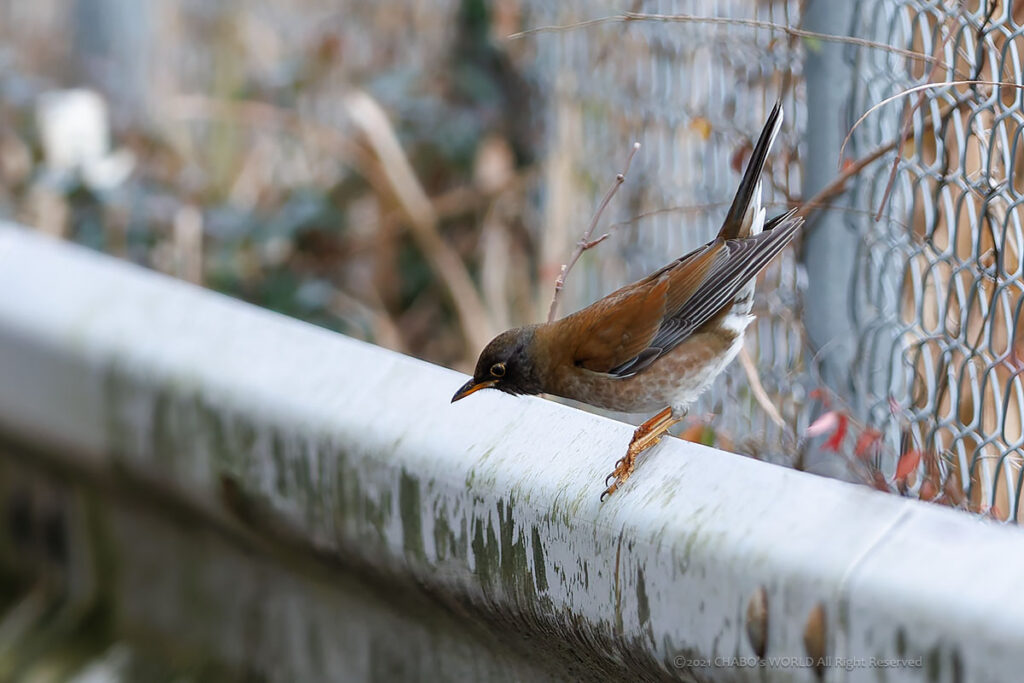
(865,442)
(907,464)
(879,482)
(836,440)
(825,423)
(928,491)
(847,163)
(952,492)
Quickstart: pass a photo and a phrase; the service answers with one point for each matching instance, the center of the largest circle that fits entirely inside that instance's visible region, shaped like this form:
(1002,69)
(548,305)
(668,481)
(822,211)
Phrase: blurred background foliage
(348,166)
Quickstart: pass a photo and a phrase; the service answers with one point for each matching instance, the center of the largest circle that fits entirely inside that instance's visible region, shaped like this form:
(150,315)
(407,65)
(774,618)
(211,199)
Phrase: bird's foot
(624,466)
(646,435)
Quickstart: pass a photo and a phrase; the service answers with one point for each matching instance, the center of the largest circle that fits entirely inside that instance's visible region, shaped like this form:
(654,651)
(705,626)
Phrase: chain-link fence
(901,331)
(937,292)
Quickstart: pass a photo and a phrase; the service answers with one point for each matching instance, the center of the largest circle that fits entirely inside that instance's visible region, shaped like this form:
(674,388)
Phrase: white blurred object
(74,127)
(110,171)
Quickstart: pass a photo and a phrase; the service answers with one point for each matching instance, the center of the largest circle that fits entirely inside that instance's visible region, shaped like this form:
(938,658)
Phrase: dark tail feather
(751,176)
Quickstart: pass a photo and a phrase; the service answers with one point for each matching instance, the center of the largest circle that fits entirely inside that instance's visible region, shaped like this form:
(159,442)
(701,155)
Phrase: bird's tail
(746,215)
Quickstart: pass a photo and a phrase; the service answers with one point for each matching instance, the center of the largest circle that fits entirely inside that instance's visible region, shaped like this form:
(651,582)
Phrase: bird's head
(508,364)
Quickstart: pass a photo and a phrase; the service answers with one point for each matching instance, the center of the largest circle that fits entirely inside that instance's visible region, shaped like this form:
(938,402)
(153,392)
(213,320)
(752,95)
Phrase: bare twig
(908,115)
(723,21)
(585,242)
(419,212)
(839,184)
(818,201)
(788,202)
(688,208)
(760,395)
(387,170)
(911,91)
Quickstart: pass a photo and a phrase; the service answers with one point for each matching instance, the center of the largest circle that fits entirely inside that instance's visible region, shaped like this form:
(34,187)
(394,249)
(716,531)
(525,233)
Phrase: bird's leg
(645,436)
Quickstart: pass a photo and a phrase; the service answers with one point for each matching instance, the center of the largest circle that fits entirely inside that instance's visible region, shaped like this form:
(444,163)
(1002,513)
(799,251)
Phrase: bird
(656,344)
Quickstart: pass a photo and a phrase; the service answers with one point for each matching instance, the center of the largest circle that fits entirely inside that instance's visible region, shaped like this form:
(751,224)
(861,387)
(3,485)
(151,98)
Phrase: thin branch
(911,91)
(585,242)
(760,395)
(388,171)
(839,184)
(818,201)
(908,116)
(688,208)
(723,21)
(419,212)
(788,202)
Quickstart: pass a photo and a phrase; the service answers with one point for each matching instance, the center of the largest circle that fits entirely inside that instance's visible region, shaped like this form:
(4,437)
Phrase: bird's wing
(695,294)
(620,327)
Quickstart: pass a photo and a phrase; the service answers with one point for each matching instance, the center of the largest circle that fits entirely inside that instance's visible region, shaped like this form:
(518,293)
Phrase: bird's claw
(645,436)
(623,468)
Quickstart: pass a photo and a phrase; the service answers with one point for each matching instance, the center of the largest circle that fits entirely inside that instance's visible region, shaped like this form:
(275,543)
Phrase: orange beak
(472,387)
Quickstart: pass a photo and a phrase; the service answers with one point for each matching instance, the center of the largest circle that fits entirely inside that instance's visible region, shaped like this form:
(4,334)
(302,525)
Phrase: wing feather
(617,328)
(725,270)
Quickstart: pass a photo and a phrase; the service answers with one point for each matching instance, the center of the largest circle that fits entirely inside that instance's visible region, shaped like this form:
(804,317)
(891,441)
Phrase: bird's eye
(498,370)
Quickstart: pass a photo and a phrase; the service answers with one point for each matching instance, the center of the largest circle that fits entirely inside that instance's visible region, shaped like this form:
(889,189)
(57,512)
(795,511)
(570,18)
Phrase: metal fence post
(830,245)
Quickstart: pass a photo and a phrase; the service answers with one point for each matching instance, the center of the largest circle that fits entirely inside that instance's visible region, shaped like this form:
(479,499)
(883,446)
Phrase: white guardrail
(229,488)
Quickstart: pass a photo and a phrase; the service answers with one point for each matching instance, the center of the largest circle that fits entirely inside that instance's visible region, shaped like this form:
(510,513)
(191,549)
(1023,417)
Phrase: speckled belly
(676,379)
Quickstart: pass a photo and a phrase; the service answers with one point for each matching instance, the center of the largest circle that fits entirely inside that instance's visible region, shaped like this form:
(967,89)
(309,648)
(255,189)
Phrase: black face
(505,365)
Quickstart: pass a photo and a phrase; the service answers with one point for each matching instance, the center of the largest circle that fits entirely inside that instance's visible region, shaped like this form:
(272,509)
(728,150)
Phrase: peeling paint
(409,507)
(643,607)
(539,568)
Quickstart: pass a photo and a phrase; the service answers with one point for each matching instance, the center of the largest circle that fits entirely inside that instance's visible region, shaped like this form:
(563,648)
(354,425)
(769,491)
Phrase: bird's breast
(676,379)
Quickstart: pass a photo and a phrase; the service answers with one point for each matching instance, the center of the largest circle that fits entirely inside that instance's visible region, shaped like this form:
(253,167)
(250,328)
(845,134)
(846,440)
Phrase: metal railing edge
(702,562)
